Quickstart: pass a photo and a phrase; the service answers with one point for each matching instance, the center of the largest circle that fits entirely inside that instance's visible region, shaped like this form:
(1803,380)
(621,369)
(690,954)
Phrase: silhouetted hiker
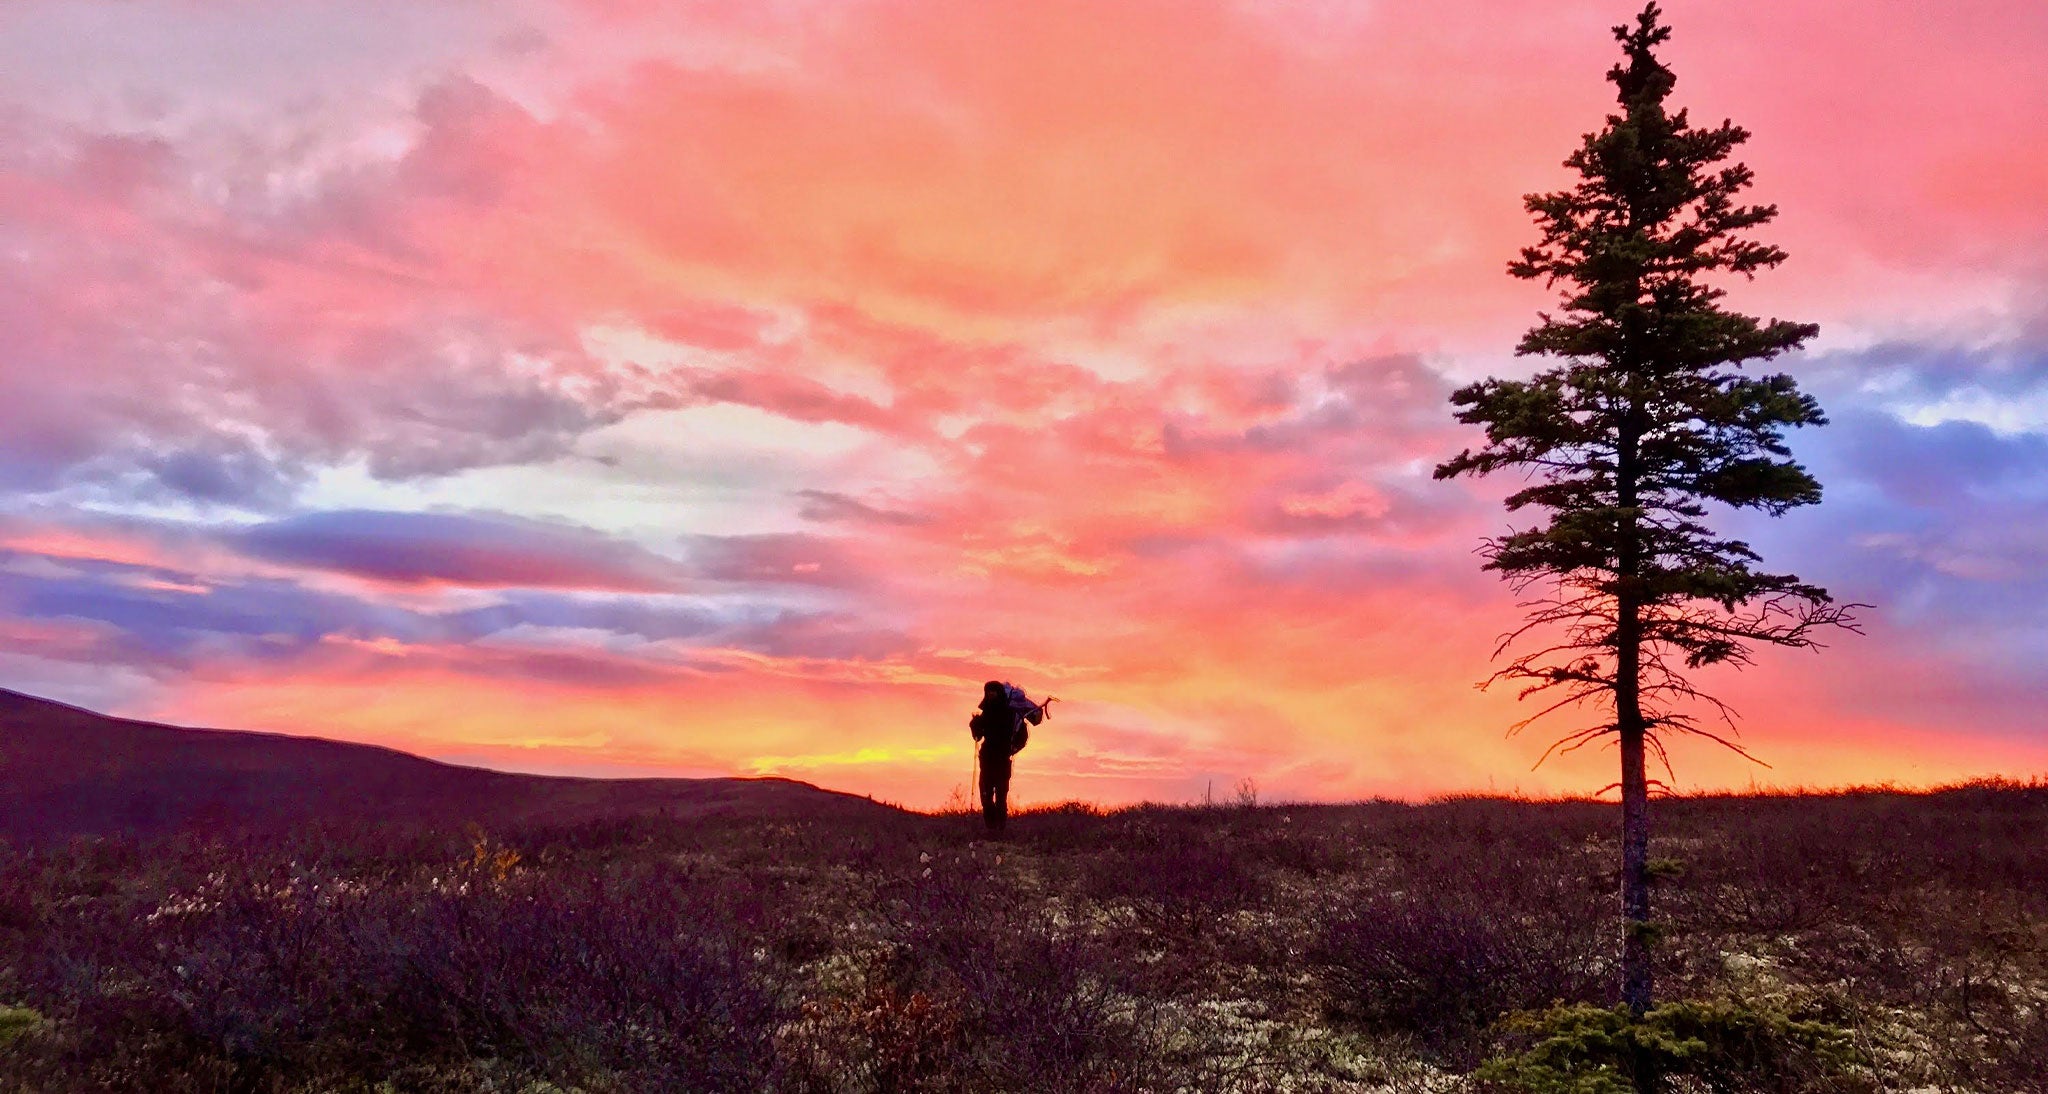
(1002,725)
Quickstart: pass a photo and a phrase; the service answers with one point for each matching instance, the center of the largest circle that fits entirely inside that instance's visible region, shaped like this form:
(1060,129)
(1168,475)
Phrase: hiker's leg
(989,817)
(1002,794)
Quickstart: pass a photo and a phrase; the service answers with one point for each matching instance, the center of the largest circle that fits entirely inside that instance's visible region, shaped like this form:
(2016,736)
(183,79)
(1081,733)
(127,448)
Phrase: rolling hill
(65,772)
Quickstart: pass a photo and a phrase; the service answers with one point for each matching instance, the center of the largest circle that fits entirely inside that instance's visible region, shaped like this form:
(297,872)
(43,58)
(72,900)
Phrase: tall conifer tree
(1627,443)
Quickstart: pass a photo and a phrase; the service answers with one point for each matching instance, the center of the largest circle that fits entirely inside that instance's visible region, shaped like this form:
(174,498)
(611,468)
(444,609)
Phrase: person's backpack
(1022,704)
(1025,714)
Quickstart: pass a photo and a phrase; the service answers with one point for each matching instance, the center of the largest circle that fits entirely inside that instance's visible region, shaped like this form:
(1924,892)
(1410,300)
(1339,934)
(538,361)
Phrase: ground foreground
(1377,947)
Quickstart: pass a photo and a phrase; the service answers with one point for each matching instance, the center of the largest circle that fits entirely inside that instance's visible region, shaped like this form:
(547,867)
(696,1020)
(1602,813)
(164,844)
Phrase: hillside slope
(65,771)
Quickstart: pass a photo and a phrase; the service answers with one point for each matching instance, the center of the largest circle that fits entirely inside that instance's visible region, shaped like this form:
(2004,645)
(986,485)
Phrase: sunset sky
(645,388)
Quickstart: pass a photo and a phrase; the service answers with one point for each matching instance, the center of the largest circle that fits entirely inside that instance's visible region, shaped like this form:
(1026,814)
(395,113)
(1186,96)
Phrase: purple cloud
(465,549)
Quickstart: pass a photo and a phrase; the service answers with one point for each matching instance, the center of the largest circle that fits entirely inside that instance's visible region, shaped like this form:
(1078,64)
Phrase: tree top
(1643,79)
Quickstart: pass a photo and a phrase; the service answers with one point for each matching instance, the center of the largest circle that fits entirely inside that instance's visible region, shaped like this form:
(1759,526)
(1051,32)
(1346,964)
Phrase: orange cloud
(1103,346)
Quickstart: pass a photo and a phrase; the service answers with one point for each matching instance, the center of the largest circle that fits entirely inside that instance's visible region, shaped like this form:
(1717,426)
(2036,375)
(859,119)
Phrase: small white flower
(927,871)
(924,856)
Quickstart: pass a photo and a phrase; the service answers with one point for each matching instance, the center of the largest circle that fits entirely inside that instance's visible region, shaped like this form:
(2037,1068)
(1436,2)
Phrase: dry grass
(1373,947)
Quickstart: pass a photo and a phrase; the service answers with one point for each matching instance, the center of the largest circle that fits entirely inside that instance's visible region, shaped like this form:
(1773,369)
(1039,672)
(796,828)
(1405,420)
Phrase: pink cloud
(1114,340)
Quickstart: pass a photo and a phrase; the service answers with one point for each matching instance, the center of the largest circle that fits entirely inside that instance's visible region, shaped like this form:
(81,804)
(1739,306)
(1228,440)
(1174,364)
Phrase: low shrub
(1041,1007)
(881,1041)
(1445,960)
(1185,882)
(18,1021)
(624,980)
(1721,1047)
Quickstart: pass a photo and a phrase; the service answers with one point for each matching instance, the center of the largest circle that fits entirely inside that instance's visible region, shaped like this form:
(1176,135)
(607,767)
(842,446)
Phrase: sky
(620,387)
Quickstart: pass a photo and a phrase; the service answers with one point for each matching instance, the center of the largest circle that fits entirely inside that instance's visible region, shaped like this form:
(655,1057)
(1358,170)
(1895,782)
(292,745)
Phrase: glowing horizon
(610,387)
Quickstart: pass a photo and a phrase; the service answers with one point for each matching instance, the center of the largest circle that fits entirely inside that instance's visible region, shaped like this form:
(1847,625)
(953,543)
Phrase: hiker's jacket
(1004,725)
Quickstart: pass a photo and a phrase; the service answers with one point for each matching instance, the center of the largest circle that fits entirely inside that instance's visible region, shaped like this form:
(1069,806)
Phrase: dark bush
(1445,959)
(1186,881)
(627,981)
(634,980)
(1041,1008)
(1720,1047)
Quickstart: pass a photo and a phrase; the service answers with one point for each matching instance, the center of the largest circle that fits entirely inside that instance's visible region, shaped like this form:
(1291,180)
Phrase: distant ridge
(66,771)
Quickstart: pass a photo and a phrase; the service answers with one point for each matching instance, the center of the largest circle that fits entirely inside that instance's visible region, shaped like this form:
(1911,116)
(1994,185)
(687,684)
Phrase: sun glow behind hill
(622,388)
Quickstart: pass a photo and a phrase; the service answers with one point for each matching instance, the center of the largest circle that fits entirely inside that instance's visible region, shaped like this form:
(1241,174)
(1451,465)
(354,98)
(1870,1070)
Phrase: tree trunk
(1635,873)
(1628,725)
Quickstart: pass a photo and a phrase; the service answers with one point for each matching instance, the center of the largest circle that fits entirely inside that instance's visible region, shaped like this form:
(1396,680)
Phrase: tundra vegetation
(1867,941)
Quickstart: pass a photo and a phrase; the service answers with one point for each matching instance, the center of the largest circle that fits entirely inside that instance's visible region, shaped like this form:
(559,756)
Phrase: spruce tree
(1643,429)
